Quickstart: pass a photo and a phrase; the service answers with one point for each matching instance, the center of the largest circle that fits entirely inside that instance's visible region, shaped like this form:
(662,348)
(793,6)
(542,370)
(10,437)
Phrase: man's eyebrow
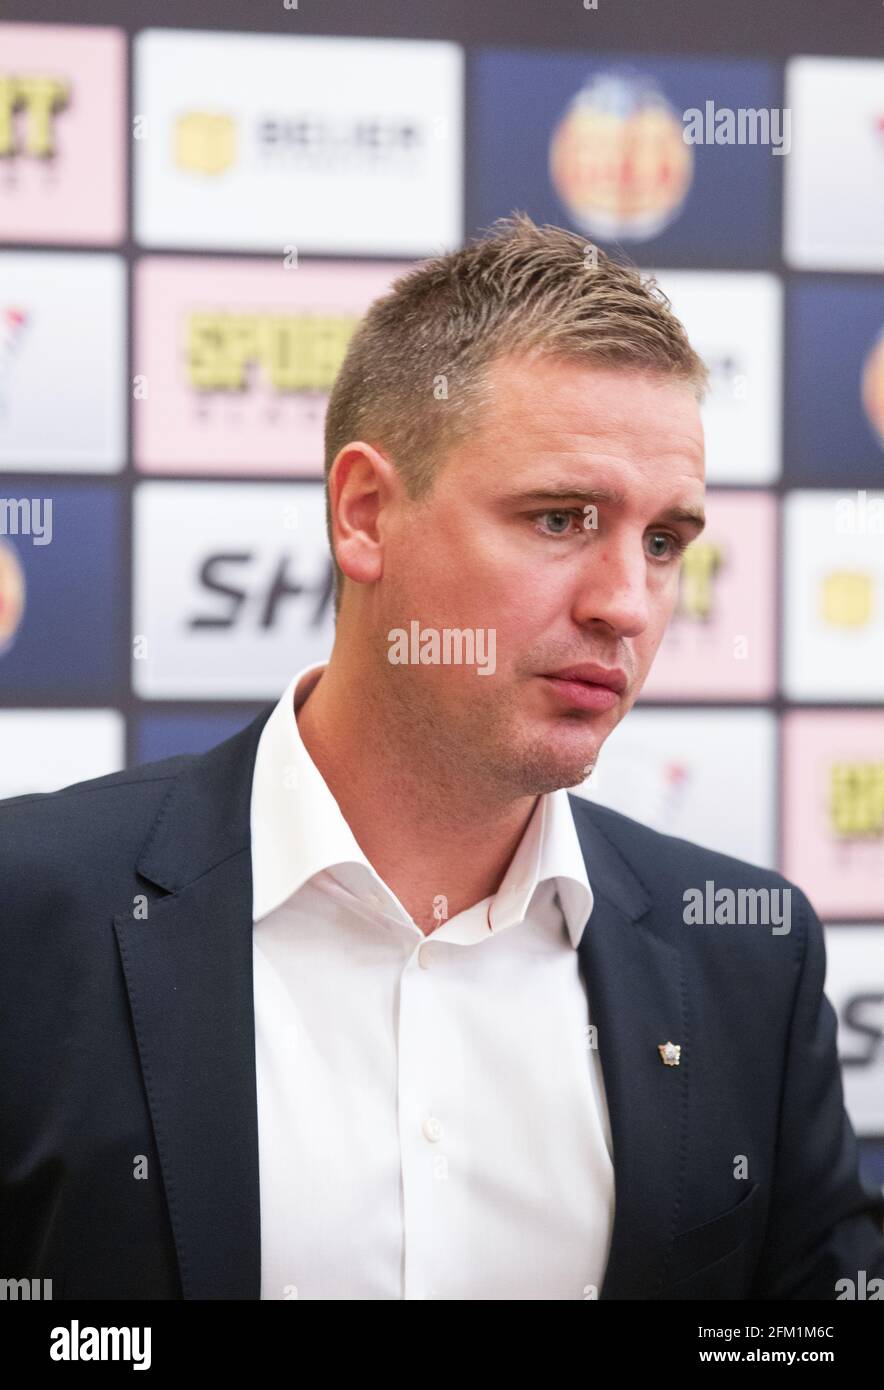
(691,516)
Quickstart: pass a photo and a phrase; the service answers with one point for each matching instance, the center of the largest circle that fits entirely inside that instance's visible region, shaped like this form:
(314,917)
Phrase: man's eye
(558,522)
(677,546)
(560,515)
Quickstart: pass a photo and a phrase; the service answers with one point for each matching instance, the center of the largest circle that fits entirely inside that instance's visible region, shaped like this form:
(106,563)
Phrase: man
(362,1003)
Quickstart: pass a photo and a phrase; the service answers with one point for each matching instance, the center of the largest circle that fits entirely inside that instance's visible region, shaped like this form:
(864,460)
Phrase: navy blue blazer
(128,1114)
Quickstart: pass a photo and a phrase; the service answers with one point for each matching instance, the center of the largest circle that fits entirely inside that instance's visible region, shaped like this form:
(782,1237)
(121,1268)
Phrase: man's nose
(614,587)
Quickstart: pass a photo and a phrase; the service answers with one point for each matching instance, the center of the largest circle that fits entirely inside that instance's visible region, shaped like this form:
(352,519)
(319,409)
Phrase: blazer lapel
(637,1000)
(188,970)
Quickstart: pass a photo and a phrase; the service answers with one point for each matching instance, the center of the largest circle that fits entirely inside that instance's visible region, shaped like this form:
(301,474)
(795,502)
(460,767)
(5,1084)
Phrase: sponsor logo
(856,800)
(204,143)
(292,352)
(13,326)
(872,385)
(29,104)
(12,595)
(208,142)
(618,159)
(846,598)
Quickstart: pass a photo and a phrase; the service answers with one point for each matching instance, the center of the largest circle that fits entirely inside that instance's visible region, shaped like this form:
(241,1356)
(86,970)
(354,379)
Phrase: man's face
(506,541)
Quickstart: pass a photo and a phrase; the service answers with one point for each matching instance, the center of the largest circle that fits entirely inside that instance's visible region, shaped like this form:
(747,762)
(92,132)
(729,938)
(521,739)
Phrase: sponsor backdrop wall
(192,221)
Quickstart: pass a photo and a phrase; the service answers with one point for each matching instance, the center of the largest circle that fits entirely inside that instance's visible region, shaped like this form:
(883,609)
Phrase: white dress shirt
(431,1117)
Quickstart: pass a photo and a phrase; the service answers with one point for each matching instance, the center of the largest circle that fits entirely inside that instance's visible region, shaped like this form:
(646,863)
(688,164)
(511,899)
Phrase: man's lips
(588,686)
(589,673)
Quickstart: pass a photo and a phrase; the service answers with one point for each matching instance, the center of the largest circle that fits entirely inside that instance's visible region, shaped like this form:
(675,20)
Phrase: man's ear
(361,481)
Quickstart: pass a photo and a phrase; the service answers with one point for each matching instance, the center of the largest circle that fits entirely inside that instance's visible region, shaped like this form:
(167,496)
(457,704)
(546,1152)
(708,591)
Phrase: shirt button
(432,1129)
(424,957)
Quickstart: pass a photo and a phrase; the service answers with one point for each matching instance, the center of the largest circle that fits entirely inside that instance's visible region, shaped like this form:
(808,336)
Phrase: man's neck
(424,835)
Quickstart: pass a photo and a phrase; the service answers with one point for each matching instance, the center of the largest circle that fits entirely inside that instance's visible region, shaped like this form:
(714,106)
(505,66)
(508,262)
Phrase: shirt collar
(298,830)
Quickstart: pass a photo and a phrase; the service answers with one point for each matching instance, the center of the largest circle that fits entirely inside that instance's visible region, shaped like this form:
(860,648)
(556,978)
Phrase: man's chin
(540,786)
(551,774)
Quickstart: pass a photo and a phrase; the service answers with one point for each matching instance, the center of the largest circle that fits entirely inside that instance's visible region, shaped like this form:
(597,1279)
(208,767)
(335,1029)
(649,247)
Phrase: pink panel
(64,177)
(236,357)
(833,794)
(722,645)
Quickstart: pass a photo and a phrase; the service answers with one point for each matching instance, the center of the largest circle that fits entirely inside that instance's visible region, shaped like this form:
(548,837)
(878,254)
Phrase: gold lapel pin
(670,1053)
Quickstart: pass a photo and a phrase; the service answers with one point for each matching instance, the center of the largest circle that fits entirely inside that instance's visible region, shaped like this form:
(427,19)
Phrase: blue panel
(832,327)
(71,642)
(730,215)
(163,735)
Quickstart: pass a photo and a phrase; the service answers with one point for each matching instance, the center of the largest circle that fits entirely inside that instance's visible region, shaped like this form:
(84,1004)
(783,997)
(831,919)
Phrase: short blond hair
(412,382)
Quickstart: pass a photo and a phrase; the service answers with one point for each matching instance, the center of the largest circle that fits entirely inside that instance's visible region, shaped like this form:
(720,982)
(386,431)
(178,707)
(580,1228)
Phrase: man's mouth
(589,686)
